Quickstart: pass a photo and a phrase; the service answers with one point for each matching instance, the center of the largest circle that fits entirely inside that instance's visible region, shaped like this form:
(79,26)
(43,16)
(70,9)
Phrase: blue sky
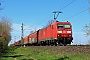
(36,13)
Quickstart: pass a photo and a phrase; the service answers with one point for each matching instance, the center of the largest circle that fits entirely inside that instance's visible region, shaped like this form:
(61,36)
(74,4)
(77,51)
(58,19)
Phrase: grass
(34,54)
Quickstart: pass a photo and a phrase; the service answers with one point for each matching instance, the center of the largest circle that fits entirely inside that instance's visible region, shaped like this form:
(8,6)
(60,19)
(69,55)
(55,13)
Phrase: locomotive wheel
(48,42)
(42,43)
(65,44)
(56,43)
(60,44)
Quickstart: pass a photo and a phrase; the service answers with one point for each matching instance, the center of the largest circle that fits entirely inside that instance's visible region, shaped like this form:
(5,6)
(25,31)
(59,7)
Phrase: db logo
(64,31)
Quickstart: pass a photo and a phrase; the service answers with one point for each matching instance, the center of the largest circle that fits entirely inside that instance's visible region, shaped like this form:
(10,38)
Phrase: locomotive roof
(57,22)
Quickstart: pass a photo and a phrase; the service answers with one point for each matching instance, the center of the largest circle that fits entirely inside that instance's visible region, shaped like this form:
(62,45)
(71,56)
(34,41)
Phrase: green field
(38,54)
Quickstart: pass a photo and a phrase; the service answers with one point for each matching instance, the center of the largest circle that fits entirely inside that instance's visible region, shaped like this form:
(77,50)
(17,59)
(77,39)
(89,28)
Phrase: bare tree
(31,32)
(1,8)
(49,22)
(86,28)
(89,3)
(88,42)
(5,26)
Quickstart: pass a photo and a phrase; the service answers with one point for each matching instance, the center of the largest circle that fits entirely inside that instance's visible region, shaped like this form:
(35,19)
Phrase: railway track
(64,49)
(78,45)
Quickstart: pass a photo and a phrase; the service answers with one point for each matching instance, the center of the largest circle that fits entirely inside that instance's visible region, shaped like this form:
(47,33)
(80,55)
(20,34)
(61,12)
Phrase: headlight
(68,31)
(69,35)
(59,31)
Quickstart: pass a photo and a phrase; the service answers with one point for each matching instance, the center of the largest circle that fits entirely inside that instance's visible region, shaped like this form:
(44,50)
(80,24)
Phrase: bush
(5,36)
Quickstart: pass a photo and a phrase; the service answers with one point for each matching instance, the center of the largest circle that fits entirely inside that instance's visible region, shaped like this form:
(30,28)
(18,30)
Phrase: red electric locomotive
(58,33)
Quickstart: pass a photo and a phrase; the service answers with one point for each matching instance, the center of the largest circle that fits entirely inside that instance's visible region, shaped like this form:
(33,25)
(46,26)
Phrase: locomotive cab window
(63,26)
(60,26)
(67,26)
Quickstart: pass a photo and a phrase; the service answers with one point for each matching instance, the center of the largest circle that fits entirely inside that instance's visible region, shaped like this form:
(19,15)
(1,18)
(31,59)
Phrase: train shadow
(10,53)
(13,56)
(9,50)
(64,58)
(18,55)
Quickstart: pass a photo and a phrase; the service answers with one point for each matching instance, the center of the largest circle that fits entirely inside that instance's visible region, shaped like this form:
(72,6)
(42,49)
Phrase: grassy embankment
(36,54)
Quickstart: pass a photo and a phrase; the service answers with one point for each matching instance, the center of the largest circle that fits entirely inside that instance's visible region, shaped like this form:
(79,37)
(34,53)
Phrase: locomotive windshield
(63,26)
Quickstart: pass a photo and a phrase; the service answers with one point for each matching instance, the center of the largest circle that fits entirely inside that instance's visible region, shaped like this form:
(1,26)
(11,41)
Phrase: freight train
(57,33)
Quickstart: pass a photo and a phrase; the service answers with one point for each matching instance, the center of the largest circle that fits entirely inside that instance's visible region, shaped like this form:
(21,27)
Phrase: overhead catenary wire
(66,5)
(59,10)
(44,20)
(76,14)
